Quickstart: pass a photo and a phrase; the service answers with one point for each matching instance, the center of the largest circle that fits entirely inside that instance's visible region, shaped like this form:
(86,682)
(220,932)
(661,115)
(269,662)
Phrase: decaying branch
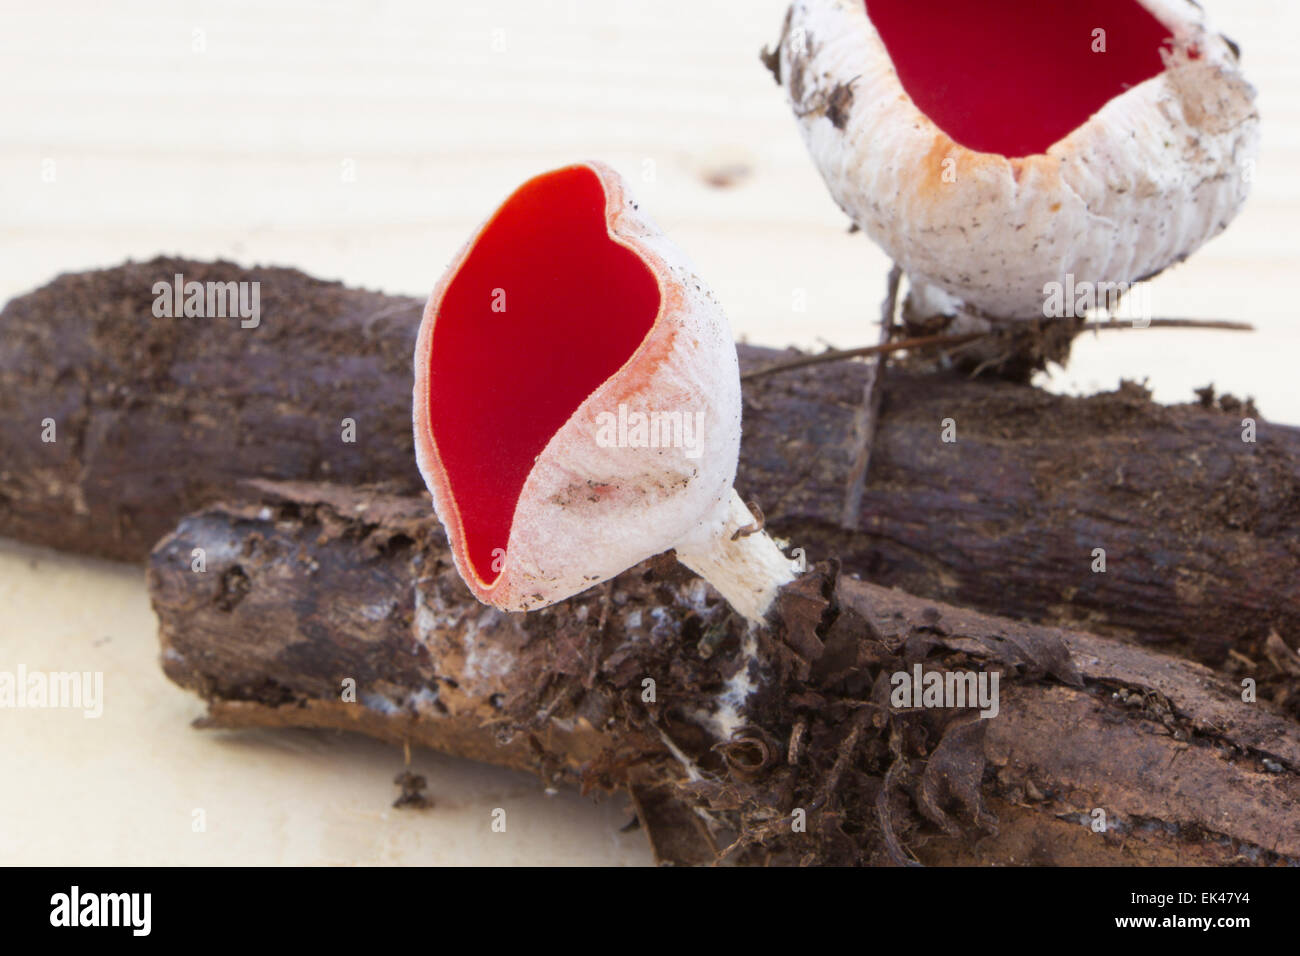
(745,745)
(156,418)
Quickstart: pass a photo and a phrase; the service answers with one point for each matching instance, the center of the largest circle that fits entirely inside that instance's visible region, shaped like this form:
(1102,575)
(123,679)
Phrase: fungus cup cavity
(577,404)
(996,148)
(1043,79)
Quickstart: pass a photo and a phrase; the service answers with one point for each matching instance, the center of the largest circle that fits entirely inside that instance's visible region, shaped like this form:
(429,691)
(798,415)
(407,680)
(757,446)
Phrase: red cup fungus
(994,148)
(577,404)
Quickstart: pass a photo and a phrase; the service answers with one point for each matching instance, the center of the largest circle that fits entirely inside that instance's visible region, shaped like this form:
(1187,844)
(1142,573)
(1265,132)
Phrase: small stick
(926,343)
(848,746)
(869,413)
(1220,324)
(834,355)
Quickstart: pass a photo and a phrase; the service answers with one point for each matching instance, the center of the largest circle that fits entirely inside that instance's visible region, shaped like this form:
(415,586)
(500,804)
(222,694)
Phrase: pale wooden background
(363,141)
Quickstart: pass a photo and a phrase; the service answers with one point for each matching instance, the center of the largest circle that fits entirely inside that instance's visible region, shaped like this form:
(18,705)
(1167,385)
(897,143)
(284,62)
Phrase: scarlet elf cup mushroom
(995,148)
(577,404)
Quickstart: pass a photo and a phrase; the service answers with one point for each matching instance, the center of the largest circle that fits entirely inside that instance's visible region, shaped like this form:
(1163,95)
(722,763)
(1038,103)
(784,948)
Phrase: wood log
(311,605)
(157,417)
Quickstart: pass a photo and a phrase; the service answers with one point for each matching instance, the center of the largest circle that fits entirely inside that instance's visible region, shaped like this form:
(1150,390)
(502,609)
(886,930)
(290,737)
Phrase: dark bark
(158,417)
(313,585)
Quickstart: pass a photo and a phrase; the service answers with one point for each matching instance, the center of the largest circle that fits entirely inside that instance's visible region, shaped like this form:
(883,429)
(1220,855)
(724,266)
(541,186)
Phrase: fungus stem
(747,570)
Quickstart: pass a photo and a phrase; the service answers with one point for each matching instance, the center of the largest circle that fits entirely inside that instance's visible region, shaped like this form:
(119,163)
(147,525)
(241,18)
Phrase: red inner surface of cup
(544,309)
(1015,76)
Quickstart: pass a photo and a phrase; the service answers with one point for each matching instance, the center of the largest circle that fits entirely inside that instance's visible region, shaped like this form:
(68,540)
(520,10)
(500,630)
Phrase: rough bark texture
(313,585)
(158,417)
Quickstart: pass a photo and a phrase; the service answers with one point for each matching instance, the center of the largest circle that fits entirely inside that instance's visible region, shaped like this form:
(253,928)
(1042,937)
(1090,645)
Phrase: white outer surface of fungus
(1138,187)
(587,513)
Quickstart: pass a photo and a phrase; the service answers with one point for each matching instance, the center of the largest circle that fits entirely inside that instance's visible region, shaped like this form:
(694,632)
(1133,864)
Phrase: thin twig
(927,343)
(868,413)
(847,747)
(1220,324)
(902,345)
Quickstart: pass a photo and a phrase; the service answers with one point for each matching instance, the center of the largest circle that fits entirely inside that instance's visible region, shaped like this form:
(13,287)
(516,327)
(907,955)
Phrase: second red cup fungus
(994,148)
(577,404)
